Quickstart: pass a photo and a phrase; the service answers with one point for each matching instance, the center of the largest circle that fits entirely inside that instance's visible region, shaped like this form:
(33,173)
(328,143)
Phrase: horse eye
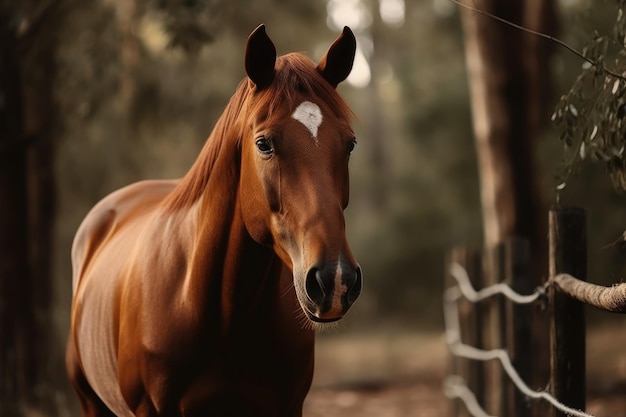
(351,146)
(264,146)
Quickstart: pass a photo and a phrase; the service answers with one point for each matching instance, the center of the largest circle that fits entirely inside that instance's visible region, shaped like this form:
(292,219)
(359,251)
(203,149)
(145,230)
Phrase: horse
(201,296)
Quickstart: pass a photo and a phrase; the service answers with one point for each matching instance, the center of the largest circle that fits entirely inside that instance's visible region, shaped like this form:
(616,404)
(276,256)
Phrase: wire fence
(563,293)
(454,386)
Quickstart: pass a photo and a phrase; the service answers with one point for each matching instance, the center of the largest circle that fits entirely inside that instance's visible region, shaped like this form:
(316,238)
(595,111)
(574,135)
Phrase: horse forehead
(310,115)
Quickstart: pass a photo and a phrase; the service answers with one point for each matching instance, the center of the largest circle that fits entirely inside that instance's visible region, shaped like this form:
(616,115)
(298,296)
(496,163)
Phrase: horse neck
(230,273)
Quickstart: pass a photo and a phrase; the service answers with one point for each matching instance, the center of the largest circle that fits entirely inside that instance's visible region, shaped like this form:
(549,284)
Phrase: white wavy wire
(453,386)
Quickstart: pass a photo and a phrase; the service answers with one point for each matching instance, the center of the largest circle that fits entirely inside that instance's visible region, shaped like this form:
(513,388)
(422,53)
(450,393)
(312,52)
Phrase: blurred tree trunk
(26,207)
(16,322)
(378,142)
(128,15)
(509,81)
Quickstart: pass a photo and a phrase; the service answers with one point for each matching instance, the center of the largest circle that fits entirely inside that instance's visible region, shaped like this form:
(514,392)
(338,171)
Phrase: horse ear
(337,63)
(260,58)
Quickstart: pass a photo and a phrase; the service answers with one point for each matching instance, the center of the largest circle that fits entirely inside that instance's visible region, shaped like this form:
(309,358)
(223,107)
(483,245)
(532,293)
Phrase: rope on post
(611,299)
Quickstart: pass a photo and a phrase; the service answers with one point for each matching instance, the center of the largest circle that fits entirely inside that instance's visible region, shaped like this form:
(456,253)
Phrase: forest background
(133,88)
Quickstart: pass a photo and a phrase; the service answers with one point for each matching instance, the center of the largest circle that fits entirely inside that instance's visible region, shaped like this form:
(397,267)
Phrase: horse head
(295,146)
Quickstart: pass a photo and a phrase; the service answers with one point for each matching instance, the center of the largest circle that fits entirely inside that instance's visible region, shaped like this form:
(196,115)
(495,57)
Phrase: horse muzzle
(331,290)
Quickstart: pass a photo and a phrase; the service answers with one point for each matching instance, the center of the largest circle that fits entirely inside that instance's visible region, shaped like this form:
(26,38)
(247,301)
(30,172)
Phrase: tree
(27,204)
(508,91)
(591,115)
(13,226)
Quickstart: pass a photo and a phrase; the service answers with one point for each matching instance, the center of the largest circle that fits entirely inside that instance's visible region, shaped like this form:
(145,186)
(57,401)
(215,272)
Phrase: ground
(400,374)
(381,375)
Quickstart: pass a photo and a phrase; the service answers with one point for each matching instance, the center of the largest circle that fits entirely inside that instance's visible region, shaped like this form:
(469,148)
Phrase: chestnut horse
(200,296)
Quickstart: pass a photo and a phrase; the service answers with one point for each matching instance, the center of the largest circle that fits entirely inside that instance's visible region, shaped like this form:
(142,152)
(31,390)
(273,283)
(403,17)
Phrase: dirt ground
(384,375)
(400,375)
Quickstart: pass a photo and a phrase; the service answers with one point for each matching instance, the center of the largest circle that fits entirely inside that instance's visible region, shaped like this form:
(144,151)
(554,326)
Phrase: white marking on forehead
(310,115)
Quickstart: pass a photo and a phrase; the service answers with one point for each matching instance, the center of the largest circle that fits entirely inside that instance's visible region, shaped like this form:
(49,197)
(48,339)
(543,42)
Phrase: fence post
(493,333)
(516,270)
(471,371)
(568,254)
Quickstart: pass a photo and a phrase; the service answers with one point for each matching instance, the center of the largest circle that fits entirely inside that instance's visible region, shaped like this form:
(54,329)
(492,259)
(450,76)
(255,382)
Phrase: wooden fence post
(516,270)
(568,254)
(471,327)
(493,333)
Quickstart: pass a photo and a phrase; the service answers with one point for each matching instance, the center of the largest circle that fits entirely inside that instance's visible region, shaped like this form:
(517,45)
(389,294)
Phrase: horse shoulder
(108,215)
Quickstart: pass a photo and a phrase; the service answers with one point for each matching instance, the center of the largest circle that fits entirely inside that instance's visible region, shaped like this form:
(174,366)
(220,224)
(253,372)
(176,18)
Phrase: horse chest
(254,365)
(251,380)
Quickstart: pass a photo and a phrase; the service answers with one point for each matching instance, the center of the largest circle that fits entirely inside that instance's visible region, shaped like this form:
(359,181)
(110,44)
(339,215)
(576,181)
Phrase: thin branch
(31,23)
(542,35)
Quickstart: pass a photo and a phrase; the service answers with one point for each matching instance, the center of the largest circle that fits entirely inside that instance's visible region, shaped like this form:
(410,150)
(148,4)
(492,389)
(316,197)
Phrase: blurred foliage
(592,115)
(138,101)
(187,23)
(570,180)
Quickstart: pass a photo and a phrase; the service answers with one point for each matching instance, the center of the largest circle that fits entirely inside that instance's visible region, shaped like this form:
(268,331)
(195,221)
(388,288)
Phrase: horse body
(198,296)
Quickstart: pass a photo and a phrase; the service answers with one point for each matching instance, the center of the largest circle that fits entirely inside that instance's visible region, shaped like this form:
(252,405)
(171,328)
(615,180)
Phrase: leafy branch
(592,114)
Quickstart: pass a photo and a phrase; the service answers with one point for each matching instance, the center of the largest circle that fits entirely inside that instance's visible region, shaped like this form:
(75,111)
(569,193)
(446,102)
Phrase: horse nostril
(314,286)
(355,288)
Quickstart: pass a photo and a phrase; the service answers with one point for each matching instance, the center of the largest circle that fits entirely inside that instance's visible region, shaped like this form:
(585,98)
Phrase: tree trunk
(38,48)
(28,378)
(16,316)
(509,86)
(504,85)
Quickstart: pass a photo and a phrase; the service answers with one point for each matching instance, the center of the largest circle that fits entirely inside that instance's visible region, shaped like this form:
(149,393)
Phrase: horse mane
(295,74)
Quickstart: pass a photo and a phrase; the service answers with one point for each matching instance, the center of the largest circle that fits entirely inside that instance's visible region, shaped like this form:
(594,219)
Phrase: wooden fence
(555,360)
